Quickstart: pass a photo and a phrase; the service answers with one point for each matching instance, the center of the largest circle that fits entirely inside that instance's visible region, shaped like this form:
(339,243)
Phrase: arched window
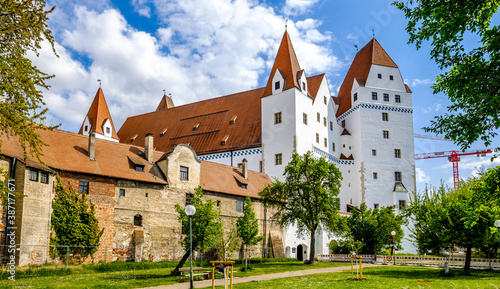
(138,220)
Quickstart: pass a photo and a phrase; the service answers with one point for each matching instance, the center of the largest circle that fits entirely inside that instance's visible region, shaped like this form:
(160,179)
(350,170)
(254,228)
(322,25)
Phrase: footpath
(257,278)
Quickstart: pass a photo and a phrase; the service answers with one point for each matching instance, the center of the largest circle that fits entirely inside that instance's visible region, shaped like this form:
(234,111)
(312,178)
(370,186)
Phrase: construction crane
(454,157)
(426,136)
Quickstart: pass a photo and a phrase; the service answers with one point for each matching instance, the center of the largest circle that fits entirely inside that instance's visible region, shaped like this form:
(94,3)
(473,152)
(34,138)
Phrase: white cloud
(297,7)
(421,176)
(418,82)
(351,36)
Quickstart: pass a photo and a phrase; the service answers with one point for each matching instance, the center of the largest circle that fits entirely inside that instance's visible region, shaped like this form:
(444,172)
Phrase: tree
(206,223)
(73,223)
(307,197)
(472,81)
(373,227)
(23,26)
(248,228)
(445,218)
(228,242)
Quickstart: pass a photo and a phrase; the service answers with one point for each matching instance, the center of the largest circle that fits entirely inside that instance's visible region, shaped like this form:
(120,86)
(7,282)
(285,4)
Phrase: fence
(453,262)
(27,254)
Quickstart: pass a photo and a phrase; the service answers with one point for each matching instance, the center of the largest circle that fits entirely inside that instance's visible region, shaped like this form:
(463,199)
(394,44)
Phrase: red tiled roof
(98,114)
(165,103)
(225,179)
(69,152)
(214,116)
(313,84)
(371,53)
(285,61)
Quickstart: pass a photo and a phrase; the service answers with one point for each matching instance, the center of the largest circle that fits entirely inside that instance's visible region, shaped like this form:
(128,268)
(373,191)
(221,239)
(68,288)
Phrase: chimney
(91,148)
(244,169)
(148,147)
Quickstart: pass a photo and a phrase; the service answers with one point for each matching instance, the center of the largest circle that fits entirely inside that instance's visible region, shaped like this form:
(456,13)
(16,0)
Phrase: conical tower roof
(165,103)
(286,62)
(371,53)
(98,114)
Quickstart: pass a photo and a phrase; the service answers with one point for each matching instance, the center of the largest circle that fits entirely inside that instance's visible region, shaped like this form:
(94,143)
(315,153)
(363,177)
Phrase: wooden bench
(185,272)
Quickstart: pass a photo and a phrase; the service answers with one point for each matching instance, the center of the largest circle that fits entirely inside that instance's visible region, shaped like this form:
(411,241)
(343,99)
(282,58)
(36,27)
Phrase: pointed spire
(166,102)
(97,116)
(371,53)
(286,62)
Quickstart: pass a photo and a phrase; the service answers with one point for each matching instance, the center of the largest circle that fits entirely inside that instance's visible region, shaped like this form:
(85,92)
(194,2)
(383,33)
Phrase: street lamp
(393,233)
(190,211)
(497,224)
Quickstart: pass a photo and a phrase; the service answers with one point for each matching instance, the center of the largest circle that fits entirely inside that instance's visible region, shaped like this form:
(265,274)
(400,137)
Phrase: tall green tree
(206,224)
(73,223)
(248,228)
(445,218)
(23,26)
(307,197)
(373,227)
(472,81)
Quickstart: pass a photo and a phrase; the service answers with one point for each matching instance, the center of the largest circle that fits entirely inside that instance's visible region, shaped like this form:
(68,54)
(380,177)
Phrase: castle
(229,146)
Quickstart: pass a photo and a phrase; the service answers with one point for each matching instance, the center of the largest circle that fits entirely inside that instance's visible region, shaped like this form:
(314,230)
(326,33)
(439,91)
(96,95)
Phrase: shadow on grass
(419,273)
(140,277)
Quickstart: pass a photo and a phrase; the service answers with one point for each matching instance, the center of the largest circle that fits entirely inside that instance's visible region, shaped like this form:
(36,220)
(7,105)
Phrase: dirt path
(236,280)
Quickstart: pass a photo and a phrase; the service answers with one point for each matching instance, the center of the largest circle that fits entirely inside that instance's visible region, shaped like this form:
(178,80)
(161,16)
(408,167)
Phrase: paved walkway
(220,282)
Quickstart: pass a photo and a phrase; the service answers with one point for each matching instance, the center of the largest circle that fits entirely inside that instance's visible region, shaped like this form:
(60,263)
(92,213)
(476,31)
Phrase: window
(196,126)
(324,121)
(138,220)
(343,145)
(385,116)
(244,186)
(386,134)
(331,126)
(325,142)
(317,138)
(239,206)
(324,99)
(83,187)
(139,168)
(355,96)
(108,130)
(343,123)
(333,146)
(375,206)
(240,165)
(188,199)
(397,176)
(304,118)
(34,176)
(233,120)
(375,176)
(349,147)
(163,132)
(386,97)
(318,117)
(303,86)
(146,195)
(122,192)
(277,118)
(184,173)
(374,152)
(374,96)
(402,204)
(398,98)
(380,76)
(44,178)
(86,128)
(277,85)
(397,153)
(261,166)
(278,158)
(391,77)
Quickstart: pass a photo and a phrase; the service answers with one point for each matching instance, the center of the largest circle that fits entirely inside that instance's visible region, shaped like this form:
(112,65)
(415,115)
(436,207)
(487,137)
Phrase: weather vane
(373,31)
(356,46)
(286,24)
(164,92)
(99,82)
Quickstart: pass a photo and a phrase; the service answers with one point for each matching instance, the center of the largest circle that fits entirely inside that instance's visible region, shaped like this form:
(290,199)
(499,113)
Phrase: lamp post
(393,233)
(497,224)
(190,211)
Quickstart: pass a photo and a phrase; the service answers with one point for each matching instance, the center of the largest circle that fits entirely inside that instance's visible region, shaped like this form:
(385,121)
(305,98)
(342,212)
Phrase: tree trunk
(183,260)
(468,255)
(313,247)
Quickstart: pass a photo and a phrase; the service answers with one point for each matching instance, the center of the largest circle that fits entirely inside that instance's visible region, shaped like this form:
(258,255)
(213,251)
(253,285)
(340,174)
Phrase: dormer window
(163,132)
(355,96)
(233,120)
(277,85)
(196,126)
(244,186)
(108,130)
(224,140)
(133,138)
(303,86)
(139,168)
(86,128)
(324,99)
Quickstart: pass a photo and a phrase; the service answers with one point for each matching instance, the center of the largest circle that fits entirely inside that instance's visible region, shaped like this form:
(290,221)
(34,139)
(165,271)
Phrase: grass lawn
(385,277)
(128,275)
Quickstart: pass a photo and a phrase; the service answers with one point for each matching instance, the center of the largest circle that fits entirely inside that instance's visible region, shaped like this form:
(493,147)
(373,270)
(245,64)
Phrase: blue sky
(198,49)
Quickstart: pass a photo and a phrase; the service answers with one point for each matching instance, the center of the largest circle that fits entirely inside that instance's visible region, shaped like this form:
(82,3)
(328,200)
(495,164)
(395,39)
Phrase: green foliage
(346,245)
(23,26)
(472,81)
(373,227)
(228,242)
(248,226)
(73,223)
(444,218)
(307,197)
(206,223)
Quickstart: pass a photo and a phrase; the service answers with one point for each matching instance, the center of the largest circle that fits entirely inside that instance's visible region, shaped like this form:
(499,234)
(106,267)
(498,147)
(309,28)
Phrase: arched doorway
(300,253)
